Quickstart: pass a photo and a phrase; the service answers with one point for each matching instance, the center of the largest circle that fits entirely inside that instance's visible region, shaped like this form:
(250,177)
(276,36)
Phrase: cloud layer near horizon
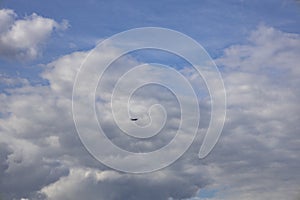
(257,156)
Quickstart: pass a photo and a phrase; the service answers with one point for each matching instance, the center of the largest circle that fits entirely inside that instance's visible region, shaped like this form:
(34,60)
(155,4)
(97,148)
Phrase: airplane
(134,119)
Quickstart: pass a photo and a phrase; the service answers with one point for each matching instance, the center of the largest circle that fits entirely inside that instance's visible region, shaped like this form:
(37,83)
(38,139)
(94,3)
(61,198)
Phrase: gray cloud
(112,185)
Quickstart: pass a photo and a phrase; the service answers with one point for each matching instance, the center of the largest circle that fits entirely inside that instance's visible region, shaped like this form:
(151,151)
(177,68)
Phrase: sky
(255,46)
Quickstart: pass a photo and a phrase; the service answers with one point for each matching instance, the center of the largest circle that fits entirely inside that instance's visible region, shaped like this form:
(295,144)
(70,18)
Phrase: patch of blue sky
(159,56)
(207,193)
(214,24)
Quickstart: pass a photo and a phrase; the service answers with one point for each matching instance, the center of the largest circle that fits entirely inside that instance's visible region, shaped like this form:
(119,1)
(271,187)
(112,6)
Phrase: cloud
(256,158)
(37,125)
(93,184)
(22,39)
(269,50)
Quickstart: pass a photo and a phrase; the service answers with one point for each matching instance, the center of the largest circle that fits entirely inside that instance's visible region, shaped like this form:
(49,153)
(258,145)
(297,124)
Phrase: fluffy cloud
(256,158)
(93,184)
(46,142)
(22,38)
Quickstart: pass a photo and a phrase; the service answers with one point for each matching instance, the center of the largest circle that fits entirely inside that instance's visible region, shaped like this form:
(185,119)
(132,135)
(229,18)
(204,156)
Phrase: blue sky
(214,24)
(255,45)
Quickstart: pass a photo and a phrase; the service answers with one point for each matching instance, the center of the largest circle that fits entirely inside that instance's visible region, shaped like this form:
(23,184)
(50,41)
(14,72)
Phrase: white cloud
(39,130)
(22,38)
(7,17)
(268,50)
(256,158)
